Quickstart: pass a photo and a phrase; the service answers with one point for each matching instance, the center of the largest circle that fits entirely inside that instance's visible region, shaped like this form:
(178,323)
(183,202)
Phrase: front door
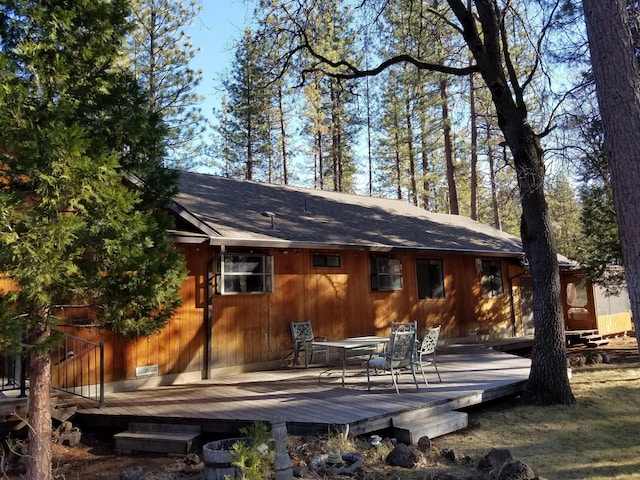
(578,312)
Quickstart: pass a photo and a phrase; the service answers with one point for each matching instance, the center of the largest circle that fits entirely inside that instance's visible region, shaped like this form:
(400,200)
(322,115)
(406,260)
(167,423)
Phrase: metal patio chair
(425,354)
(404,326)
(303,339)
(398,357)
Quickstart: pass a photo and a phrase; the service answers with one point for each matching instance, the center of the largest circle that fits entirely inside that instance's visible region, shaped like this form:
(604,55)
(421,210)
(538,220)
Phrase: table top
(354,342)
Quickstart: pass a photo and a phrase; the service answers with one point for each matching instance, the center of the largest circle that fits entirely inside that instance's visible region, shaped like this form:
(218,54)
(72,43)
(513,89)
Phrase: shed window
(430,278)
(386,273)
(237,273)
(322,260)
(492,278)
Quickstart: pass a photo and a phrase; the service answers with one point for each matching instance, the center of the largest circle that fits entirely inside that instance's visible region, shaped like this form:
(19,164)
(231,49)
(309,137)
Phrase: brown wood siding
(253,329)
(339,302)
(177,348)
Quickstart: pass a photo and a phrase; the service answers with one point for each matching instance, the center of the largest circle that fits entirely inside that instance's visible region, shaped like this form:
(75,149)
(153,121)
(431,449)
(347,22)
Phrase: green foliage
(254,456)
(245,122)
(158,49)
(71,123)
(564,210)
(601,247)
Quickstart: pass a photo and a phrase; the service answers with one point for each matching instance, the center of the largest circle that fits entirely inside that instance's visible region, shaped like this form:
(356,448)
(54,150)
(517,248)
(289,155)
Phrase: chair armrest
(320,337)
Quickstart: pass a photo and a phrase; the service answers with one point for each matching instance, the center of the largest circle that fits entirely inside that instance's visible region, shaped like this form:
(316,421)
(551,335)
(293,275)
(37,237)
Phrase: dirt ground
(96,459)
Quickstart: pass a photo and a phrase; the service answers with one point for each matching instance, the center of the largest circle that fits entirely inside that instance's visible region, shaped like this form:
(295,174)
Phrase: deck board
(309,400)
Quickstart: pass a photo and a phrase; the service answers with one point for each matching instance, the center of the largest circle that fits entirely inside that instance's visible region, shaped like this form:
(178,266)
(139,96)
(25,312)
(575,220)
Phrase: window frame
(326,256)
(491,278)
(265,273)
(394,275)
(429,288)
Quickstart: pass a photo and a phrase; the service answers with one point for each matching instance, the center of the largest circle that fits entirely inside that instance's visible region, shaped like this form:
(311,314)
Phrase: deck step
(158,438)
(590,338)
(431,427)
(594,340)
(63,406)
(12,406)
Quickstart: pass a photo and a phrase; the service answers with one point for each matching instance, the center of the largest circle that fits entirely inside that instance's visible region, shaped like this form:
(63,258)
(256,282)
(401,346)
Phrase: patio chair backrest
(302,331)
(401,348)
(403,326)
(430,340)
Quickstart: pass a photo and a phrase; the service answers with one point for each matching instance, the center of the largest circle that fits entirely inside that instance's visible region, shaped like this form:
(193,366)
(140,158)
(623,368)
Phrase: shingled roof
(231,212)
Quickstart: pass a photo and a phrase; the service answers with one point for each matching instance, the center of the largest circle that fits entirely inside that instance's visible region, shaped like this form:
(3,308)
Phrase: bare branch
(354,72)
(518,89)
(538,46)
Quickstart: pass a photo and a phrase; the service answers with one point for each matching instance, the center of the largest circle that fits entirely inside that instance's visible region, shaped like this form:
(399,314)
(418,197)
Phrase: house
(261,256)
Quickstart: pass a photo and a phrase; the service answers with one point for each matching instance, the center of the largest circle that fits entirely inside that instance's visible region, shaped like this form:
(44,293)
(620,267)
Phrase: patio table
(351,344)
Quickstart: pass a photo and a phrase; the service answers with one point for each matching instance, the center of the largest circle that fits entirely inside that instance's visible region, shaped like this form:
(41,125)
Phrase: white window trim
(266,274)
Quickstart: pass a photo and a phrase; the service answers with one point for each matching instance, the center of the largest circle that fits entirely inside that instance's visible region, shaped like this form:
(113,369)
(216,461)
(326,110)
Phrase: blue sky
(216,30)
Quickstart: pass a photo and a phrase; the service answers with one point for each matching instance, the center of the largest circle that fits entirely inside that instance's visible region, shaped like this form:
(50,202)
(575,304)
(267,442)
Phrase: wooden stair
(158,438)
(411,426)
(63,406)
(590,338)
(12,406)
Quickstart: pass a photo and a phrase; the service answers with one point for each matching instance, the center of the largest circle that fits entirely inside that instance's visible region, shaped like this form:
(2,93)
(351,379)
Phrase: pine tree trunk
(473,118)
(369,145)
(413,195)
(494,189)
(283,140)
(39,410)
(249,164)
(448,150)
(320,160)
(426,170)
(617,75)
(398,159)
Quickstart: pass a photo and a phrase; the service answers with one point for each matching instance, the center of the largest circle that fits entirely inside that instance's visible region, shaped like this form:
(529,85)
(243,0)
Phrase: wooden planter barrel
(217,462)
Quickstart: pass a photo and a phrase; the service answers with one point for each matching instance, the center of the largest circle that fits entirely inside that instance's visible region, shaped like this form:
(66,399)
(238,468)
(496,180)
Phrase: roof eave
(289,244)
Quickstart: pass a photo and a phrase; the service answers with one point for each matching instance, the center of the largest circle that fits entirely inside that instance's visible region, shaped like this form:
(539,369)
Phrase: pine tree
(282,95)
(510,71)
(613,40)
(70,231)
(159,50)
(391,151)
(329,105)
(565,214)
(247,123)
(600,248)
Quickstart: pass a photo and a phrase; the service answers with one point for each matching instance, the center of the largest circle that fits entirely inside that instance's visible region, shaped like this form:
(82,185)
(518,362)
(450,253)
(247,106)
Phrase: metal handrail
(77,368)
(13,373)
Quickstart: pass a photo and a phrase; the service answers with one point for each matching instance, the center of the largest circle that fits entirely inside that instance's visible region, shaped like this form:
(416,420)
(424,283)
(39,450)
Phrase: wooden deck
(308,401)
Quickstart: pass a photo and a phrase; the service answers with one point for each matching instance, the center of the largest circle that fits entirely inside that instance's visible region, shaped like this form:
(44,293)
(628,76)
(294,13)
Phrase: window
(430,278)
(386,274)
(237,273)
(577,293)
(321,260)
(492,278)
